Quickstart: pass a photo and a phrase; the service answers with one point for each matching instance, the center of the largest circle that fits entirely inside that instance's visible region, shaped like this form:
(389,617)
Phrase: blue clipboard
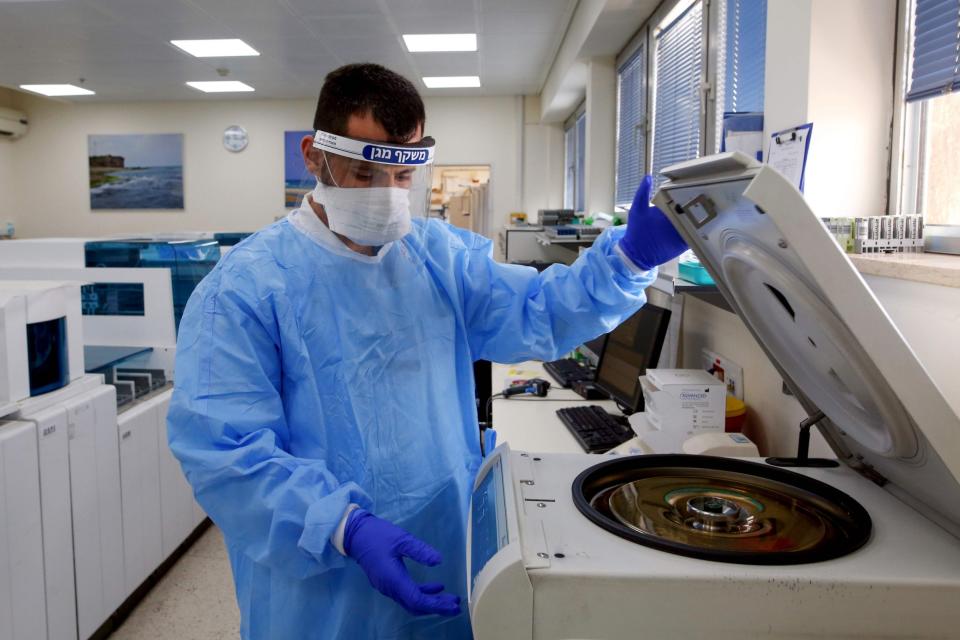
(789,150)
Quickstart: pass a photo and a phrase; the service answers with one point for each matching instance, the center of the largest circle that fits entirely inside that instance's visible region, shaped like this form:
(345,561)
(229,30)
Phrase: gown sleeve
(513,313)
(228,428)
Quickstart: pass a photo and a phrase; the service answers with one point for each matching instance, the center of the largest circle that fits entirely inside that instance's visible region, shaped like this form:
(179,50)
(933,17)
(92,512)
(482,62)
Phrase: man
(324,404)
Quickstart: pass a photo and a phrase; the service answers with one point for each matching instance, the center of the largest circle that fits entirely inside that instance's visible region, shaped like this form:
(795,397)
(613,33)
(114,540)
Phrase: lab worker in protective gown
(324,405)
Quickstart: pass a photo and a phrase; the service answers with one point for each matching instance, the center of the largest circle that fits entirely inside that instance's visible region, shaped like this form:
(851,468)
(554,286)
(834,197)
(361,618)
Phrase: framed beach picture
(136,171)
(297,181)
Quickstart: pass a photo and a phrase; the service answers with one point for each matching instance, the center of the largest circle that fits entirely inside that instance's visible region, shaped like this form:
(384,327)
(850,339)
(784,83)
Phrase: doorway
(461,195)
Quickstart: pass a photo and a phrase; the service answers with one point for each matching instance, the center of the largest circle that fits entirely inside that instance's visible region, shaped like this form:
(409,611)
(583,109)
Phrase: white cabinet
(53,448)
(22,611)
(140,493)
(96,506)
(519,244)
(181,514)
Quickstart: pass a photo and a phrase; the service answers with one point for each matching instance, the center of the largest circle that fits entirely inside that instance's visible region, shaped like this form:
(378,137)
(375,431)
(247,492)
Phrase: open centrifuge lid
(821,326)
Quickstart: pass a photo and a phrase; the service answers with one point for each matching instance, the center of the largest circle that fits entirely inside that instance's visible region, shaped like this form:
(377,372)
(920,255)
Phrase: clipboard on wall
(788,152)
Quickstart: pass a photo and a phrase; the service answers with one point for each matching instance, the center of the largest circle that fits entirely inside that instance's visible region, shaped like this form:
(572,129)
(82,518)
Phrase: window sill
(930,268)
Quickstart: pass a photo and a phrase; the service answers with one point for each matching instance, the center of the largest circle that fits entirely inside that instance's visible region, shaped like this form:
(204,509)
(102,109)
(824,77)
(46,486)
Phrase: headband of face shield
(370,190)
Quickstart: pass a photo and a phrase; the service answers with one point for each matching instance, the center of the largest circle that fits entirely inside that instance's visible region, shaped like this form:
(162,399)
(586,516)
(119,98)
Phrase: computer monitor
(591,349)
(629,350)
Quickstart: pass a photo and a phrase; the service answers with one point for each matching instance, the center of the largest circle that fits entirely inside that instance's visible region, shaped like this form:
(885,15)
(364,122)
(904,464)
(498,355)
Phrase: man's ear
(311,156)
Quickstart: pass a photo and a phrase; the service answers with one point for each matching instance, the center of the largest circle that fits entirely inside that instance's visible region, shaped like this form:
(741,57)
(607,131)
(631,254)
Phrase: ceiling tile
(447,64)
(399,7)
(435,22)
(372,25)
(315,8)
(122,47)
(520,23)
(545,6)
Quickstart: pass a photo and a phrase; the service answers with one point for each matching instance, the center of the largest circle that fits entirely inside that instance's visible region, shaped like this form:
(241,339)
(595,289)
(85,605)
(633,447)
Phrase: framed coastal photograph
(297,181)
(136,171)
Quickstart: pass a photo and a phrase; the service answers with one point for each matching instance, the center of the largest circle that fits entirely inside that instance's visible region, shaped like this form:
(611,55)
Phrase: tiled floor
(194,601)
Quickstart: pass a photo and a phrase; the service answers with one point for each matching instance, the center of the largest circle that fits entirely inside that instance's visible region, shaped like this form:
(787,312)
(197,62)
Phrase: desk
(500,373)
(531,424)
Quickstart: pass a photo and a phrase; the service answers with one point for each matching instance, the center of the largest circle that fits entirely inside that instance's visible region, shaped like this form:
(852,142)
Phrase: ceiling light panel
(219,48)
(221,86)
(424,42)
(451,82)
(57,89)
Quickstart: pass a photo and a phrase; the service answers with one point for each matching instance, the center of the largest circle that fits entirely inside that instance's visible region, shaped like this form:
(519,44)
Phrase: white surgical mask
(371,216)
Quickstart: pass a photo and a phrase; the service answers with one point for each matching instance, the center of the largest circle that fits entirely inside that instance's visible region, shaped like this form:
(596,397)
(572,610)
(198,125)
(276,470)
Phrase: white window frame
(570,124)
(711,105)
(641,38)
(906,159)
(908,152)
(709,138)
(711,120)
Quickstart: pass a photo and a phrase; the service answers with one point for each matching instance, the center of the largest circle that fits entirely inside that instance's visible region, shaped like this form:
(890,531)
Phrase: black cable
(486,414)
(624,409)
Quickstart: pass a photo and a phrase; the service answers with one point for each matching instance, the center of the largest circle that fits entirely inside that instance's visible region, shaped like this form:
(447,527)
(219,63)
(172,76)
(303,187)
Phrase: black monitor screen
(630,349)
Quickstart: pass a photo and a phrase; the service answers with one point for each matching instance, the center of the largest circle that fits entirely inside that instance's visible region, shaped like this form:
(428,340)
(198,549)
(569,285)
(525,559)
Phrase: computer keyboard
(567,371)
(596,430)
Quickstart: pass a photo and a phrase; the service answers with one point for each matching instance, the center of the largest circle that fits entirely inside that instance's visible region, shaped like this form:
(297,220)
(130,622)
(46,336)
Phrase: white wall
(6,178)
(222,190)
(542,161)
(483,130)
(6,161)
(773,418)
(601,150)
(832,63)
(928,316)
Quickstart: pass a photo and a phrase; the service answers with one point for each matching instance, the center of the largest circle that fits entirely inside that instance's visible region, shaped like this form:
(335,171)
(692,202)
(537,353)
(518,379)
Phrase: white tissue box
(689,401)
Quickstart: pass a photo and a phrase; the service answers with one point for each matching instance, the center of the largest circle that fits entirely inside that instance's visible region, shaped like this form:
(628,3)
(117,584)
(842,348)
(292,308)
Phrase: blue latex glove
(379,547)
(650,239)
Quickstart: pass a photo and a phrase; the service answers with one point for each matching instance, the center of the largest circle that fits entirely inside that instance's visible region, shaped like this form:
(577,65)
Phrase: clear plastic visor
(350,163)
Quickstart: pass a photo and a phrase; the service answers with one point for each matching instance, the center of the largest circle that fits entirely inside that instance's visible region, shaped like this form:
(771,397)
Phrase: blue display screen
(113,299)
(47,353)
(488,519)
(188,261)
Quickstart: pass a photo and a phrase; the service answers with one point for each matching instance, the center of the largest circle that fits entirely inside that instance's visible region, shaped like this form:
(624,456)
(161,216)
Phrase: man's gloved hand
(650,239)
(379,547)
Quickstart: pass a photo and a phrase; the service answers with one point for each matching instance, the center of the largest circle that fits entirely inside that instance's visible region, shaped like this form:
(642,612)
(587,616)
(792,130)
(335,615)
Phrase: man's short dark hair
(356,89)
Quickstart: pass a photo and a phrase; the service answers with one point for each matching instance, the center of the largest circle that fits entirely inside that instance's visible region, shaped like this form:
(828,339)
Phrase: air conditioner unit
(13,124)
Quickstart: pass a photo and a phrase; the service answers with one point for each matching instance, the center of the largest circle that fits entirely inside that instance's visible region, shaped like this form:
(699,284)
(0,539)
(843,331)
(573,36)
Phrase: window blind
(581,159)
(936,49)
(746,45)
(570,166)
(631,120)
(677,124)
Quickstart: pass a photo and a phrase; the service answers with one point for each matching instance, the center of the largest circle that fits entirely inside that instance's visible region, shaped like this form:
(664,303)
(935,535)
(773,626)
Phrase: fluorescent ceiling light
(221,86)
(222,48)
(57,89)
(440,42)
(448,82)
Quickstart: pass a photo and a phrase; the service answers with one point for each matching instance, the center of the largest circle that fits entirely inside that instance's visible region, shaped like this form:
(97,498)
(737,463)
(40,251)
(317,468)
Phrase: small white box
(689,401)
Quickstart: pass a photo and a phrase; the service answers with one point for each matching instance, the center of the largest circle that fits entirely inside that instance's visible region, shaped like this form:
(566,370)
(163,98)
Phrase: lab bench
(531,424)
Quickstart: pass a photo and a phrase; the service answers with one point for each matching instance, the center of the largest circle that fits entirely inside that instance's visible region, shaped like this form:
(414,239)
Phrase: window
(690,46)
(631,125)
(574,144)
(739,36)
(929,161)
(744,53)
(581,158)
(679,67)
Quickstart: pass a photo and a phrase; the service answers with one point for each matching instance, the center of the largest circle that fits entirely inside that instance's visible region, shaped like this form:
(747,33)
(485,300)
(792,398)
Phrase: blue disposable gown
(308,379)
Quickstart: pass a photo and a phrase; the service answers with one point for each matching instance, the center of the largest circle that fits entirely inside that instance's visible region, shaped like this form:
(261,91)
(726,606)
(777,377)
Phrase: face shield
(371,190)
